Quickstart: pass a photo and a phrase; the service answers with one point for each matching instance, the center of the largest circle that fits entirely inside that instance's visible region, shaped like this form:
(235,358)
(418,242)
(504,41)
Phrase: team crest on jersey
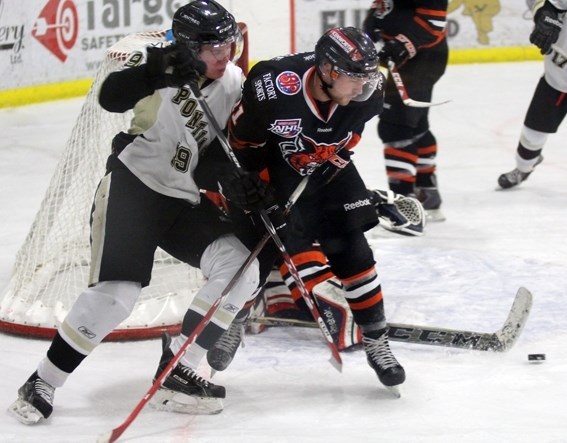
(288,128)
(288,82)
(305,155)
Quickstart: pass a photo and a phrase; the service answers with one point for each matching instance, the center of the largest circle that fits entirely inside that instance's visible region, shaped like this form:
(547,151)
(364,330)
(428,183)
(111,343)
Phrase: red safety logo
(57,27)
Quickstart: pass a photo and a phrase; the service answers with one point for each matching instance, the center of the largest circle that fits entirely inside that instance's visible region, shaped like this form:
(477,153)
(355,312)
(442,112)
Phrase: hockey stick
(309,299)
(113,435)
(500,341)
(403,91)
(335,360)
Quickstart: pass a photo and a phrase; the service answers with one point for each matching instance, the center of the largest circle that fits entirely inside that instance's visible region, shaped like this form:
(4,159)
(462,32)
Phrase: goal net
(52,266)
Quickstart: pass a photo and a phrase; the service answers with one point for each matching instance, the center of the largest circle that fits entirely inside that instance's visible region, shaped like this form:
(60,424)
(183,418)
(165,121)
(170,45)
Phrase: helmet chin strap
(324,86)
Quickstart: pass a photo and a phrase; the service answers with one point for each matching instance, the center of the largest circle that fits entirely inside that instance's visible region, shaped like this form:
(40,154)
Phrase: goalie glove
(398,213)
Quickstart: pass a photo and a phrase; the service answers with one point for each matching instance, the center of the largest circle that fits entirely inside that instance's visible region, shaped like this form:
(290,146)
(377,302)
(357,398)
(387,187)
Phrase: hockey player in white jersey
(150,198)
(549,102)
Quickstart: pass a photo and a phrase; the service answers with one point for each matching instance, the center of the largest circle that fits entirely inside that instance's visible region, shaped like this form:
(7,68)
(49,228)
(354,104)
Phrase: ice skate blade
(395,390)
(434,215)
(172,401)
(24,412)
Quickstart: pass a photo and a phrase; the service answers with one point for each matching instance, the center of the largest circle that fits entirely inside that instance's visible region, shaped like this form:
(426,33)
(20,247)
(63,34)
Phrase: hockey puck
(534,358)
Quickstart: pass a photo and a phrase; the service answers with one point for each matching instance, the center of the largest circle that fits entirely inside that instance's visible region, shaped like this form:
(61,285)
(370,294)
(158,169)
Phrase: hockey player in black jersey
(301,115)
(150,198)
(413,36)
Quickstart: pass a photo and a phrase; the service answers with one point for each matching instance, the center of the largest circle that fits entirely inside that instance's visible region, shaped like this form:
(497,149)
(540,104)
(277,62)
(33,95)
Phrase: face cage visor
(369,80)
(220,49)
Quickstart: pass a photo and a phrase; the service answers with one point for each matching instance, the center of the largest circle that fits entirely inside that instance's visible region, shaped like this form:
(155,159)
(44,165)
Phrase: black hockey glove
(173,66)
(244,189)
(369,27)
(400,49)
(547,27)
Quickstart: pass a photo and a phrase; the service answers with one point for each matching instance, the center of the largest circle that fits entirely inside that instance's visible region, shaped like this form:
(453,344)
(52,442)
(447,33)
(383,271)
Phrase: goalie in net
(150,198)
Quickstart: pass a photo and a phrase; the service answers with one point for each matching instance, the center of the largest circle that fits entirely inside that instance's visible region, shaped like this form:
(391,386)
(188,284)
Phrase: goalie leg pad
(337,315)
(279,302)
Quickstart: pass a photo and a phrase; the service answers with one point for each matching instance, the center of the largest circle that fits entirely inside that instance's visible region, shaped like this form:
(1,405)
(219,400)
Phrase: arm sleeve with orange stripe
(428,25)
(423,22)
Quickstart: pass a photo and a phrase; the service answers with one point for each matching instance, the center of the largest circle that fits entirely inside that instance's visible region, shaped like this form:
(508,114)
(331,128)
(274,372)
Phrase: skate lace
(379,351)
(232,338)
(190,373)
(44,390)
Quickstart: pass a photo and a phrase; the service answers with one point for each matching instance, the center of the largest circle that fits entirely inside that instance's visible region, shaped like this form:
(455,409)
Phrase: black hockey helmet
(205,22)
(351,52)
(348,49)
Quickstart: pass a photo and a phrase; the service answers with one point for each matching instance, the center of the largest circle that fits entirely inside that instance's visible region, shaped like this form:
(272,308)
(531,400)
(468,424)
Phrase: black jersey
(422,21)
(290,132)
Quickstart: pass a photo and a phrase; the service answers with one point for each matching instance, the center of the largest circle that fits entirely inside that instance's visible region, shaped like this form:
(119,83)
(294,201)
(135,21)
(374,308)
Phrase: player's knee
(426,139)
(221,261)
(348,255)
(97,312)
(400,134)
(224,257)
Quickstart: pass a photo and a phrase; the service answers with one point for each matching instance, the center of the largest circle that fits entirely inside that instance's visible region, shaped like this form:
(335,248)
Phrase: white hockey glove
(398,213)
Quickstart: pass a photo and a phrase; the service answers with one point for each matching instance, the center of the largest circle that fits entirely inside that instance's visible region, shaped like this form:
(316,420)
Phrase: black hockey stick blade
(499,341)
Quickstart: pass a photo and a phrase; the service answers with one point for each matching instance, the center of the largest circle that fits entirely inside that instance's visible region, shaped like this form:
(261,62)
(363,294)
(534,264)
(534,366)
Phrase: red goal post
(51,268)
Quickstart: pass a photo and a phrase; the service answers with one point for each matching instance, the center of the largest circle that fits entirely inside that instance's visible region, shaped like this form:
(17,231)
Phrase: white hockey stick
(404,93)
(500,341)
(335,360)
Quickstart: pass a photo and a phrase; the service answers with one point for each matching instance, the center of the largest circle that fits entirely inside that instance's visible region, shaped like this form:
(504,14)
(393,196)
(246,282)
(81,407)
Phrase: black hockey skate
(183,390)
(431,201)
(221,354)
(35,401)
(380,358)
(515,176)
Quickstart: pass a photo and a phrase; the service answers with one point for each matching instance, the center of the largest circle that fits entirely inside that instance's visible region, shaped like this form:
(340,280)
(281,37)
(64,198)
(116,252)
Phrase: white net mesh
(52,266)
